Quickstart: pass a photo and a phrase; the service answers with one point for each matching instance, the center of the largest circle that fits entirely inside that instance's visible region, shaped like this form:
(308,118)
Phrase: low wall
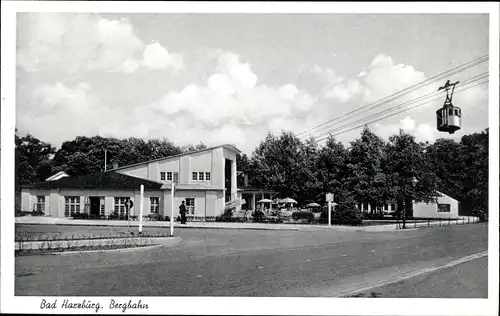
(115,242)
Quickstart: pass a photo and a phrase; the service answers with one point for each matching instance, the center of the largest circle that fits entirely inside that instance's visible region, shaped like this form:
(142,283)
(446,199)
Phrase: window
(162,176)
(201,176)
(190,206)
(207,176)
(102,204)
(386,207)
(365,206)
(120,206)
(154,204)
(457,112)
(71,205)
(169,176)
(195,176)
(393,206)
(176,177)
(450,111)
(40,203)
(444,208)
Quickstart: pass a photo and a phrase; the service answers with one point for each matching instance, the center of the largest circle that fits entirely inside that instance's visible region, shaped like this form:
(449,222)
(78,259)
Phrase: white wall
(431,209)
(55,199)
(137,171)
(199,201)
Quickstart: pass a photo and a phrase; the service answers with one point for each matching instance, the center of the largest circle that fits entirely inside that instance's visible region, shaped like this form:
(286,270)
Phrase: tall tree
(406,159)
(365,177)
(331,166)
(475,191)
(285,165)
(32,159)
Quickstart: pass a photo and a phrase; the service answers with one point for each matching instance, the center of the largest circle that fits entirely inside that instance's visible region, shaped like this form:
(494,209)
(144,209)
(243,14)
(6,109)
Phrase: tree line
(368,170)
(373,171)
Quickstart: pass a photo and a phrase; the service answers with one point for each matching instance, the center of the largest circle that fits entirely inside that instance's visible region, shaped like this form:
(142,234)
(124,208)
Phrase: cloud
(229,107)
(379,80)
(423,132)
(157,57)
(86,42)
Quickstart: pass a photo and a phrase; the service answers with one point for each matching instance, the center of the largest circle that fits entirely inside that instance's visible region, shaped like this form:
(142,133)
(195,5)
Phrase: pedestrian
(182,211)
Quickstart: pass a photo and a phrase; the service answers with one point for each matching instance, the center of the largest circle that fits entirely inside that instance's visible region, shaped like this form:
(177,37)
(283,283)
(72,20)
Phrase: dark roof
(250,189)
(227,146)
(103,180)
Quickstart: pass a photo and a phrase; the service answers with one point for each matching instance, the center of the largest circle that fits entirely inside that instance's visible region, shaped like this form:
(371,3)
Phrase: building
(444,207)
(57,176)
(204,179)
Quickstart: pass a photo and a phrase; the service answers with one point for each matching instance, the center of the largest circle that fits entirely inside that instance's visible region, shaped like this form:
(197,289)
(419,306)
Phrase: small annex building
(205,179)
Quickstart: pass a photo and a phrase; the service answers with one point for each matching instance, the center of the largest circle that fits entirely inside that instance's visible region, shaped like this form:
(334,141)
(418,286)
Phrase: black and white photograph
(250,158)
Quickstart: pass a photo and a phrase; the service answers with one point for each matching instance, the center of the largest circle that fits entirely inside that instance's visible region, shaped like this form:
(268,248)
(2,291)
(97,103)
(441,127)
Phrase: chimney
(115,165)
(245,180)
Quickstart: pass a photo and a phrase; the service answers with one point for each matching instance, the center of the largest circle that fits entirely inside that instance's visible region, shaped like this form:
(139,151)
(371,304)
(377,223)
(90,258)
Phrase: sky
(232,78)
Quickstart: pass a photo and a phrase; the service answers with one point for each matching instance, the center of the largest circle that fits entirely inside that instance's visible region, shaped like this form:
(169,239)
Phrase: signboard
(329,197)
(129,204)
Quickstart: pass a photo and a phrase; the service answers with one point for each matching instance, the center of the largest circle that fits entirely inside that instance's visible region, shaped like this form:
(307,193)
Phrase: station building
(204,179)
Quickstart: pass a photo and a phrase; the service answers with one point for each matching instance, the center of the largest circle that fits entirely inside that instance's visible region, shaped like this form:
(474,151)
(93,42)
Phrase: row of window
(201,176)
(387,207)
(174,176)
(169,176)
(72,205)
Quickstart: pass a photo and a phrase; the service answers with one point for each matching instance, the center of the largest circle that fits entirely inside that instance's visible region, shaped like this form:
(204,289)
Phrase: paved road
(467,280)
(252,263)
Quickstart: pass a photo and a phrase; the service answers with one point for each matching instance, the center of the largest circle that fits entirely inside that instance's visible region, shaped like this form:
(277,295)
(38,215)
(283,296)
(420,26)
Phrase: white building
(444,207)
(204,179)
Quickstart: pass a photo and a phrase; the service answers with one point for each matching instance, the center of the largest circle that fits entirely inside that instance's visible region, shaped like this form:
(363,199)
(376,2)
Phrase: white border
(242,305)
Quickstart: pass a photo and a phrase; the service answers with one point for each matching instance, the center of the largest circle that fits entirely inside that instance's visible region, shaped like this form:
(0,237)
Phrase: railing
(415,223)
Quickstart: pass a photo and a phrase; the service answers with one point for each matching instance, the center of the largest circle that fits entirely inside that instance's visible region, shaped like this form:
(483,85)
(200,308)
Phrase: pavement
(279,263)
(221,225)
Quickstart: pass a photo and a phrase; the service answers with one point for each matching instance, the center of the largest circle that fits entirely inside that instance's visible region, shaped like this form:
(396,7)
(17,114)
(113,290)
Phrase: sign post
(172,211)
(141,209)
(329,198)
(128,205)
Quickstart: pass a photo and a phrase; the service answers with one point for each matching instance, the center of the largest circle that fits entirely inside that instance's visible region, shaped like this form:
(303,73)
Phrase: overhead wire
(403,92)
(403,104)
(393,114)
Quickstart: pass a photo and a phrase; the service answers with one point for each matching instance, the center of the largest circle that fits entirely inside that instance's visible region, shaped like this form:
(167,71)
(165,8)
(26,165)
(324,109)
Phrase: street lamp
(413,182)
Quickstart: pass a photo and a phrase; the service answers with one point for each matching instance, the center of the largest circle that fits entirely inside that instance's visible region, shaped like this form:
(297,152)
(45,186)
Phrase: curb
(161,241)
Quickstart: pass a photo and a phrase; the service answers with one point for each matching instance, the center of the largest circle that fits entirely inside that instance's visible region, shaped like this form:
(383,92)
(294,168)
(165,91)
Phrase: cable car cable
(409,89)
(434,93)
(355,127)
(374,105)
(426,96)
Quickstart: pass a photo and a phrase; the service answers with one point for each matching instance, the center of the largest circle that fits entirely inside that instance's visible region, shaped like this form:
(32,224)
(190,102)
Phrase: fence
(461,220)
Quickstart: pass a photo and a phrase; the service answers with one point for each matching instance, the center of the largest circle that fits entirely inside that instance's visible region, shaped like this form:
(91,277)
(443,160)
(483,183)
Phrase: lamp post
(413,182)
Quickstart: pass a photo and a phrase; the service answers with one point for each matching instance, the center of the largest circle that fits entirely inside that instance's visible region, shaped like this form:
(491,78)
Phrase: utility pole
(141,209)
(105,159)
(172,211)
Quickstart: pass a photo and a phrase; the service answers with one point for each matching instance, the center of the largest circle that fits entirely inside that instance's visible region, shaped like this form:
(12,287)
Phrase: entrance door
(95,206)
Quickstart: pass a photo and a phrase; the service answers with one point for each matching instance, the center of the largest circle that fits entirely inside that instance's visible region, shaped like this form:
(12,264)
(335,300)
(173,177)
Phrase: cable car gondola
(449,116)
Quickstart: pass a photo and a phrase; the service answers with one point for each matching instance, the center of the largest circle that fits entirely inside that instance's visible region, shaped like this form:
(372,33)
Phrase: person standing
(182,211)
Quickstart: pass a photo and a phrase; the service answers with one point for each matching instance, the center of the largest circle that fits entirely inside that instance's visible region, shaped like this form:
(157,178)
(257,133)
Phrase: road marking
(409,275)
(199,275)
(344,255)
(308,260)
(260,267)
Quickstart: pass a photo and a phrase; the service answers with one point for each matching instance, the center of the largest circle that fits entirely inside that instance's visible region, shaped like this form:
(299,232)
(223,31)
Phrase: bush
(298,215)
(155,217)
(81,216)
(37,213)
